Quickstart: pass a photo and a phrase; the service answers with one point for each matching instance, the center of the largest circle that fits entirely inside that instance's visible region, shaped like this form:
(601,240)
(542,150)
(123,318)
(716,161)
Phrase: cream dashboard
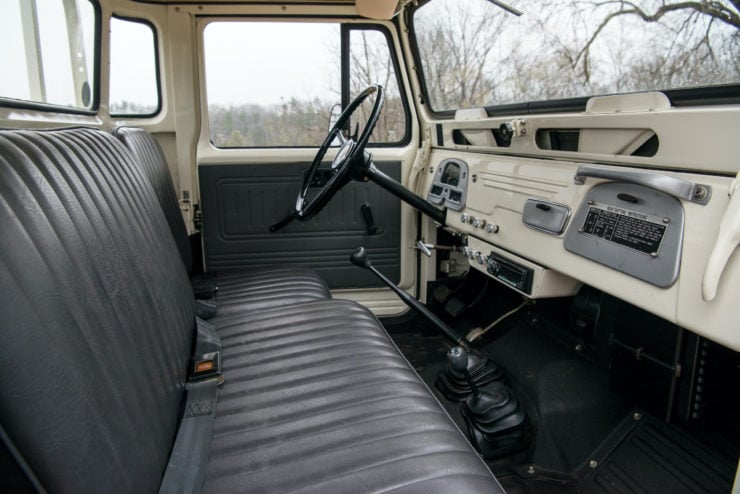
(545,227)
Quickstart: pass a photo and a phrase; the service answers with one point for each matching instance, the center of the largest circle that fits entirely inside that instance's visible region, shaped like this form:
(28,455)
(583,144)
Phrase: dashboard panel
(634,242)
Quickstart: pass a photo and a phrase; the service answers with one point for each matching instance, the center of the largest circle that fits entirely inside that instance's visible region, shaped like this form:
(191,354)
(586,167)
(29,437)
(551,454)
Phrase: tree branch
(713,9)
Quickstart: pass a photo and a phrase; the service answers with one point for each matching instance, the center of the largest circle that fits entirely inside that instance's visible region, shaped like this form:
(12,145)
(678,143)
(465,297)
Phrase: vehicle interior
(370,246)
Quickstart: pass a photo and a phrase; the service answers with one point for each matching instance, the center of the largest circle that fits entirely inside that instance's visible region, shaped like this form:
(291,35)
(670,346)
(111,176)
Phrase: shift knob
(458,359)
(359,258)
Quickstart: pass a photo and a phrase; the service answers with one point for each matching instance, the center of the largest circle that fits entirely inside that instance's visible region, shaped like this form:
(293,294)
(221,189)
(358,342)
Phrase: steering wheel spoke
(350,157)
(340,135)
(356,132)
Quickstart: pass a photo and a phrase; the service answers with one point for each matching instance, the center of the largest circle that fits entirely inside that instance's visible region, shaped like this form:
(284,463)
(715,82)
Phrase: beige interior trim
(376,9)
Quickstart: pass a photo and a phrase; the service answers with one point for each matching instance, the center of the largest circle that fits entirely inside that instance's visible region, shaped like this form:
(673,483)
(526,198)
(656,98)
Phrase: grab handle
(682,189)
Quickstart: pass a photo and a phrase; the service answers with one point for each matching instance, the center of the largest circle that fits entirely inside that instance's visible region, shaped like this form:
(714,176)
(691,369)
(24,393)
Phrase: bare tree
(691,52)
(454,47)
(370,63)
(477,55)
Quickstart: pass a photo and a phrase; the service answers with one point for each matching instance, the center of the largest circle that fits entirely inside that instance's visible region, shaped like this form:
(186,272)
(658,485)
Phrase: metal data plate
(630,228)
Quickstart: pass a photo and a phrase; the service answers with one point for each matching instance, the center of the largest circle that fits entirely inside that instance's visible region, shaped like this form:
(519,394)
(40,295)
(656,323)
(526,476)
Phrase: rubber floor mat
(657,457)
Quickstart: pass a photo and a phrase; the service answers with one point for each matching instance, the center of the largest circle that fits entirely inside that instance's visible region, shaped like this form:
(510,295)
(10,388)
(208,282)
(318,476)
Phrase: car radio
(510,273)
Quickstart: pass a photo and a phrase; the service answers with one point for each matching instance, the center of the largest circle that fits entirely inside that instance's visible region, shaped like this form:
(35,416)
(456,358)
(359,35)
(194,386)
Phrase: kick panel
(240,202)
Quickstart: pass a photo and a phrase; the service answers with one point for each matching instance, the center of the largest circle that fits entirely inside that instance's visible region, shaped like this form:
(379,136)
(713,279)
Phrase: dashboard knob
(480,258)
(464,218)
(472,254)
(493,266)
(491,228)
(479,222)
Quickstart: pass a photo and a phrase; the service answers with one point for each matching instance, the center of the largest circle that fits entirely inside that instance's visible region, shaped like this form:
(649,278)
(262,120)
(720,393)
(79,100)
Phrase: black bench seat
(319,399)
(98,321)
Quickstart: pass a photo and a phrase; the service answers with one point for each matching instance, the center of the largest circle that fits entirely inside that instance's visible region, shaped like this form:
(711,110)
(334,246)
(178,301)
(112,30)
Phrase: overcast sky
(268,62)
(54,46)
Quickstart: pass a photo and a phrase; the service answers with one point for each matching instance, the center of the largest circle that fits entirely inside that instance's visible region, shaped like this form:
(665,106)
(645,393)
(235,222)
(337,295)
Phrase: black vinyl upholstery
(267,287)
(97,313)
(333,407)
(244,289)
(151,161)
(97,320)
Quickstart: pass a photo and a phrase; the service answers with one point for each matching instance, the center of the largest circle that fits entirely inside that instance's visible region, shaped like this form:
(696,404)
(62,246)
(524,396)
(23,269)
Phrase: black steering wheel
(349,162)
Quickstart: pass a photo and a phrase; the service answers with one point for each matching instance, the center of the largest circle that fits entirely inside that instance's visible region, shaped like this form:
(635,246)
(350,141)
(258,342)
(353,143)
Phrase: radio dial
(493,266)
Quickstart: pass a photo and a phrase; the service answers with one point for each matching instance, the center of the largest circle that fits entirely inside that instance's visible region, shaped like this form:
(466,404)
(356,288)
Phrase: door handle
(367,214)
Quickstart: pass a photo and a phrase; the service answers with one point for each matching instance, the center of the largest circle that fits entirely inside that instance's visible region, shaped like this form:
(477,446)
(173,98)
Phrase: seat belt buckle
(205,291)
(205,308)
(205,366)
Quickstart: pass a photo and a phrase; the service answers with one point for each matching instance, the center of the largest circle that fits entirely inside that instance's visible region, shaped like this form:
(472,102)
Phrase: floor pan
(589,440)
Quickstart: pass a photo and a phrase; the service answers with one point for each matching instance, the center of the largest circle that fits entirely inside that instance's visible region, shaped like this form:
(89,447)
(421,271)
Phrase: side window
(47,53)
(371,63)
(270,84)
(265,89)
(134,86)
(477,53)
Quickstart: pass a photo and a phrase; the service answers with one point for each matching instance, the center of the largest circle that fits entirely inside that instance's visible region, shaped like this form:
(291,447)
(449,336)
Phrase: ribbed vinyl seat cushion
(319,399)
(246,289)
(97,314)
(151,161)
(267,287)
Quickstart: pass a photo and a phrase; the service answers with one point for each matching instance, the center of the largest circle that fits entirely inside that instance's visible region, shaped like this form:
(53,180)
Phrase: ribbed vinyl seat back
(96,310)
(154,164)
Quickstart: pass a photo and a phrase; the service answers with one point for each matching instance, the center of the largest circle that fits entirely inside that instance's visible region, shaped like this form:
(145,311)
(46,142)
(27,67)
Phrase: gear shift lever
(360,258)
(452,382)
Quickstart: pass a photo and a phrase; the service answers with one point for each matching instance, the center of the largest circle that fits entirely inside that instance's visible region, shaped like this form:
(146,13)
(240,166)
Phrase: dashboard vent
(649,148)
(623,142)
(480,137)
(558,139)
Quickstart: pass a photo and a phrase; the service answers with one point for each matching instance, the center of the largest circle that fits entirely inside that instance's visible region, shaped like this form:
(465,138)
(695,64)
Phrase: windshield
(474,53)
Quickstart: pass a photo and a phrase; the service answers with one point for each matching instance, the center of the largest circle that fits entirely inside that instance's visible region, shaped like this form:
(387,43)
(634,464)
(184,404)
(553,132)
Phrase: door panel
(240,202)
